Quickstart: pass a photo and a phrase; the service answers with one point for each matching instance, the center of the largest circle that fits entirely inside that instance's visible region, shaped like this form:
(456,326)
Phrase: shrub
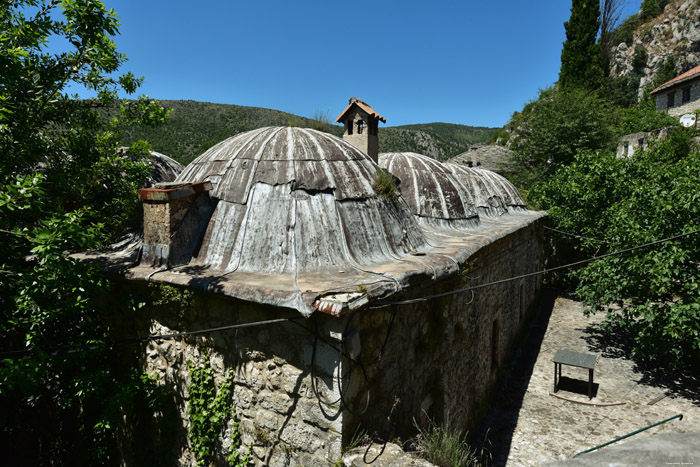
(447,447)
(385,184)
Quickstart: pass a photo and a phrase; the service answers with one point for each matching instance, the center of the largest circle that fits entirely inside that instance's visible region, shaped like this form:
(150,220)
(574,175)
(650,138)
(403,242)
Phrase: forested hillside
(193,127)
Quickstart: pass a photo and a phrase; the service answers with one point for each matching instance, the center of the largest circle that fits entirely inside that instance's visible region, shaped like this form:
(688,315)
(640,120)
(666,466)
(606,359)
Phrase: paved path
(528,426)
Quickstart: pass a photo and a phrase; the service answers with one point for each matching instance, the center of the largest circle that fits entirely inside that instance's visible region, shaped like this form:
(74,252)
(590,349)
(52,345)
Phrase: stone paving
(528,426)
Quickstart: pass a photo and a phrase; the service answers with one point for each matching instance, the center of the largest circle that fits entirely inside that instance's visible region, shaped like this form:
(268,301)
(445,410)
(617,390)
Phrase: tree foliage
(553,128)
(582,63)
(62,187)
(619,203)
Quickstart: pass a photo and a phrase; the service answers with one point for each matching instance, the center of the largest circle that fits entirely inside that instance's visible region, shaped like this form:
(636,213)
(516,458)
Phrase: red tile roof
(692,73)
(363,105)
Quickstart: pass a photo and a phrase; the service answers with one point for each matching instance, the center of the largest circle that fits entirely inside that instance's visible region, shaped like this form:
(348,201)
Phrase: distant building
(681,95)
(485,156)
(628,145)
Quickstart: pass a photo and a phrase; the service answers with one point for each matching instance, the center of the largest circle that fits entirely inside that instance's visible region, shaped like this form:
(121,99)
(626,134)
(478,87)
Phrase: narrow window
(522,304)
(686,94)
(494,345)
(640,142)
(360,126)
(349,125)
(671,100)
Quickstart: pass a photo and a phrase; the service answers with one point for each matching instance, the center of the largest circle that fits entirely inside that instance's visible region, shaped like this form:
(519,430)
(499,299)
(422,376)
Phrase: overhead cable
(536,273)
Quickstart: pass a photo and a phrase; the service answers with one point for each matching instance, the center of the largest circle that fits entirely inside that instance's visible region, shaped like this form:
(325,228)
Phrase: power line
(575,235)
(536,273)
(140,340)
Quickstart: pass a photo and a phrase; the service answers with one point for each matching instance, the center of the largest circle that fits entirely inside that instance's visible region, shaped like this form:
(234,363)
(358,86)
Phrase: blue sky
(464,62)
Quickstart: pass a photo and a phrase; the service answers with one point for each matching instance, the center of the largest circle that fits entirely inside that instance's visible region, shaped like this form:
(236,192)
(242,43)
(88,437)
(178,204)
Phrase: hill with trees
(193,127)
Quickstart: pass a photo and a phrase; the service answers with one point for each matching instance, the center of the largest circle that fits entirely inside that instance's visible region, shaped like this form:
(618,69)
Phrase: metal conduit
(679,417)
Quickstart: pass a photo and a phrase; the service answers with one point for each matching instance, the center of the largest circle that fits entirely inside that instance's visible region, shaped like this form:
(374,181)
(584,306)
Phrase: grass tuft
(448,447)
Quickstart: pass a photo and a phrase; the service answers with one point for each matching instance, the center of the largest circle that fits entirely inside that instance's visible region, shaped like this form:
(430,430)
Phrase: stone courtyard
(528,426)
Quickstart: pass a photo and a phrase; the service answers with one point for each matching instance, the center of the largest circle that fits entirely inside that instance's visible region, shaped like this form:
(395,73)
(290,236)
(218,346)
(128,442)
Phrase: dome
(163,169)
(432,192)
(493,194)
(292,200)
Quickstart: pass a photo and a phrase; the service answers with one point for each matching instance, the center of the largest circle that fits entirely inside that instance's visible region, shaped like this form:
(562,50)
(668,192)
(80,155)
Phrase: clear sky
(468,62)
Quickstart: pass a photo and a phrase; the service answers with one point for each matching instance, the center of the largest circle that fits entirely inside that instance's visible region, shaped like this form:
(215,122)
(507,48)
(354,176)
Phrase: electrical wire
(575,235)
(140,340)
(531,274)
(375,306)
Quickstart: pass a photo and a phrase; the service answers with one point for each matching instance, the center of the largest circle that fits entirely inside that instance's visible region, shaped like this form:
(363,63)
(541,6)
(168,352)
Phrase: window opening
(494,345)
(686,94)
(360,126)
(671,100)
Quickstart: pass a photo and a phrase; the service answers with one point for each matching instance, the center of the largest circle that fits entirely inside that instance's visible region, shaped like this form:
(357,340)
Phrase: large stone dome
(433,194)
(493,194)
(293,200)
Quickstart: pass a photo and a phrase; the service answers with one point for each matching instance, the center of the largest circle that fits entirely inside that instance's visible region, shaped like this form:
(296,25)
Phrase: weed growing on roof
(385,184)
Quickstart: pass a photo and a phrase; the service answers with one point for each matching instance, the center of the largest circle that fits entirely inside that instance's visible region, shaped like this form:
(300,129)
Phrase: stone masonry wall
(439,359)
(278,411)
(434,357)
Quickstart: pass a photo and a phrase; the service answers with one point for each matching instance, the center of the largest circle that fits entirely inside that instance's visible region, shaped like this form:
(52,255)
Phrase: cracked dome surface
(494,194)
(433,194)
(297,200)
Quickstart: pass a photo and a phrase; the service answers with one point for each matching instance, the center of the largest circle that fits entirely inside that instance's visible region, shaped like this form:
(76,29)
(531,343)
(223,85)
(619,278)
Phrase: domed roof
(432,192)
(493,194)
(296,200)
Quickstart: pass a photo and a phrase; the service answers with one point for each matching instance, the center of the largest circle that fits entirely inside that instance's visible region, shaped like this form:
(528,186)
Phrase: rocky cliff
(670,40)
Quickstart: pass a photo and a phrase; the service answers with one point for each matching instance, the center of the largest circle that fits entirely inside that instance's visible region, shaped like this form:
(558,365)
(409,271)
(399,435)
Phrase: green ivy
(208,411)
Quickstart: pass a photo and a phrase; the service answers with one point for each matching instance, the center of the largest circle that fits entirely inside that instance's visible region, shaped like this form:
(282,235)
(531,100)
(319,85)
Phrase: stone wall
(439,359)
(276,406)
(434,358)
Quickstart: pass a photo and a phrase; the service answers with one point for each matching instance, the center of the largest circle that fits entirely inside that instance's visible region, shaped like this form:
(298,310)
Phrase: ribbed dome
(432,192)
(493,194)
(293,200)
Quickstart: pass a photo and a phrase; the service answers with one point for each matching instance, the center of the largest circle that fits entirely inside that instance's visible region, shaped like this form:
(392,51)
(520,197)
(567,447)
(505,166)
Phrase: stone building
(681,95)
(343,307)
(486,156)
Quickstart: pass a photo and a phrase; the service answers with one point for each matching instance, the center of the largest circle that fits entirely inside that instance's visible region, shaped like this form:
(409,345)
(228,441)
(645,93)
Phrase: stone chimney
(361,127)
(173,214)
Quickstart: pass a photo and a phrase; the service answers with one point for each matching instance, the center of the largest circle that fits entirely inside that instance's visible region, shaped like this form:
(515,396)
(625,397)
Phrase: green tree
(654,294)
(582,62)
(553,128)
(62,187)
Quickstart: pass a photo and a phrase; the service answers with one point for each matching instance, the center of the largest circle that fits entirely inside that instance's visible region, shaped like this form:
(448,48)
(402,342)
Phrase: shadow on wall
(495,433)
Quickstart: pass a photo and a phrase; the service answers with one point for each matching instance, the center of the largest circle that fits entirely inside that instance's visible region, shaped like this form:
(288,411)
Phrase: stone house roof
(486,156)
(682,78)
(354,101)
(289,217)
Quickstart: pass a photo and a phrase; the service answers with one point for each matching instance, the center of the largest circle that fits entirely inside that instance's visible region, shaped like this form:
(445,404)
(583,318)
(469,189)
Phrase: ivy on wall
(208,411)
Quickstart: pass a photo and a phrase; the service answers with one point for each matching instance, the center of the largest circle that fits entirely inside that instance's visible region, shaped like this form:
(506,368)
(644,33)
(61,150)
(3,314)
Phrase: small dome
(297,200)
(493,194)
(432,192)
(163,169)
